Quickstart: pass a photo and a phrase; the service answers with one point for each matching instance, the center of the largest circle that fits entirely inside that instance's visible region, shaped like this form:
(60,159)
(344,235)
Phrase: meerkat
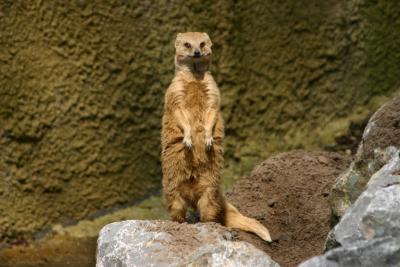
(191,138)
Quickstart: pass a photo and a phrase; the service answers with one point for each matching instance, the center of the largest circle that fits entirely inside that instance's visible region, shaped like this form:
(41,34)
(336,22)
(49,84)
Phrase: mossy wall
(303,68)
(82,84)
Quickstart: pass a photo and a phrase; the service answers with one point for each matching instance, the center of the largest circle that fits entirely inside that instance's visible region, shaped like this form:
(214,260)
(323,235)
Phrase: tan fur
(192,135)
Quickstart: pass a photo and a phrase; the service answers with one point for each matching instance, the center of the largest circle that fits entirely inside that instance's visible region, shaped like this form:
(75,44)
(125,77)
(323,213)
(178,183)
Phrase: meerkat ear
(208,39)
(178,38)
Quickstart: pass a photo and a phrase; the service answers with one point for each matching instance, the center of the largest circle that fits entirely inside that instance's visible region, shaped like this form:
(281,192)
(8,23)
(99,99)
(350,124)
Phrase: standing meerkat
(192,135)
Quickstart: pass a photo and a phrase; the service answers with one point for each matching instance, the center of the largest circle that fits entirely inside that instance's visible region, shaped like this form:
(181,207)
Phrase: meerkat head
(193,49)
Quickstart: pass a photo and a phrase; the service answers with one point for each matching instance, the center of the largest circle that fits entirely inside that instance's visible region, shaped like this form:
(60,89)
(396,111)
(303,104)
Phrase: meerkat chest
(195,99)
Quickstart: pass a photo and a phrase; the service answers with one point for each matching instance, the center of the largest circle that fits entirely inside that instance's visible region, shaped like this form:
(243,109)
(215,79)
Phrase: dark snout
(196,53)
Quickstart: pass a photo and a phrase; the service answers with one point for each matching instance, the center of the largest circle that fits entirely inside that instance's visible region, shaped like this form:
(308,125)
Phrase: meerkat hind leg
(177,209)
(210,206)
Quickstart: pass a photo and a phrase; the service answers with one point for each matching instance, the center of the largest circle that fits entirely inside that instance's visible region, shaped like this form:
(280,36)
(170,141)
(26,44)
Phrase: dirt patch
(188,238)
(289,194)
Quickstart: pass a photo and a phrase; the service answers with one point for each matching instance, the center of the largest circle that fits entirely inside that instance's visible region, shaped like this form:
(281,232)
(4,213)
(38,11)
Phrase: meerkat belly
(195,102)
(191,190)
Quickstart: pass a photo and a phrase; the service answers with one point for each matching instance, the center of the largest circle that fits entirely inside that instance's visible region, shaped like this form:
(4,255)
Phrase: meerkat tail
(234,219)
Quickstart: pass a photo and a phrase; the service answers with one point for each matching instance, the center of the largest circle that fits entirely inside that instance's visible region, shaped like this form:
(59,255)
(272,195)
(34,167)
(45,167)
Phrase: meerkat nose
(196,53)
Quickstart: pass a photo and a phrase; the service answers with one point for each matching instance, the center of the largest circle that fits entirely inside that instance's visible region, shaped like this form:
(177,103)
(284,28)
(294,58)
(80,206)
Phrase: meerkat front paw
(209,142)
(187,142)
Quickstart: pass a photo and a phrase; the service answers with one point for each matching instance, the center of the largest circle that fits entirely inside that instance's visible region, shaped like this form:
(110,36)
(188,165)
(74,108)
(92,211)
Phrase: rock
(376,213)
(382,131)
(373,215)
(164,243)
(368,234)
(382,252)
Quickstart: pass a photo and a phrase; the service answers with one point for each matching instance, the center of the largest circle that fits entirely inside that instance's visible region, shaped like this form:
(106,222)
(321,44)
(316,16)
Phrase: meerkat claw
(187,142)
(209,143)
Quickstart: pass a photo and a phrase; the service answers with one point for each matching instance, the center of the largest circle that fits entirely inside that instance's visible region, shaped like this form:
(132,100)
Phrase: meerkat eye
(202,44)
(187,45)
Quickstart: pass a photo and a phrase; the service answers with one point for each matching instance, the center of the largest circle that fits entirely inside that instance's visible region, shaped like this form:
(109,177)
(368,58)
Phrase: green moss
(382,39)
(149,209)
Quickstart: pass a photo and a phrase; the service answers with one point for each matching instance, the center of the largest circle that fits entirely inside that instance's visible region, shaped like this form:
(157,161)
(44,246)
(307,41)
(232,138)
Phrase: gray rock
(376,213)
(382,131)
(379,252)
(164,243)
(369,232)
(373,215)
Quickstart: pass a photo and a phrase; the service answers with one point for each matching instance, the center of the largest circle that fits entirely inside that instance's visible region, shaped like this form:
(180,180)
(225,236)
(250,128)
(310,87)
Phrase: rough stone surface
(368,234)
(163,243)
(382,252)
(376,213)
(82,83)
(382,131)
